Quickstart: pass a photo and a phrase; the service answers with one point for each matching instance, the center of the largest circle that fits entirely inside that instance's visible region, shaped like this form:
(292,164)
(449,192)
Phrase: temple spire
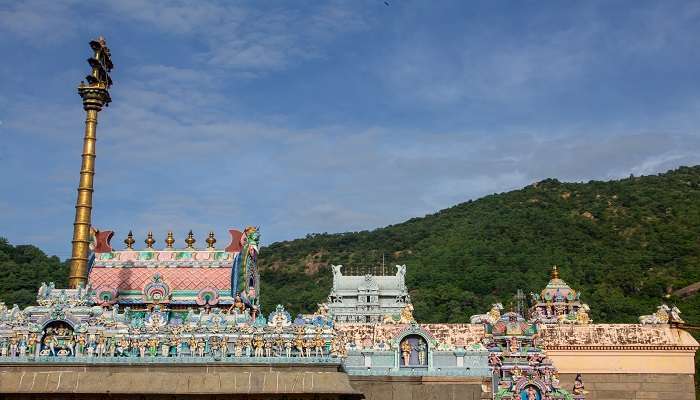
(95,95)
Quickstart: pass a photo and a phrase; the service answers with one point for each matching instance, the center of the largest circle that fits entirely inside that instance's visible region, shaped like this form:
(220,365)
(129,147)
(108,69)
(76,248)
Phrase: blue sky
(322,116)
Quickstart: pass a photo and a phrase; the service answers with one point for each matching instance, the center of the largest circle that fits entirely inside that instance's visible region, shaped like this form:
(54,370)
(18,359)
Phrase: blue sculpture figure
(245,263)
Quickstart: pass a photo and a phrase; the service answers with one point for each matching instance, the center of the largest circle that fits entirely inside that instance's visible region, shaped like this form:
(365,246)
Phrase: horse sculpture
(493,315)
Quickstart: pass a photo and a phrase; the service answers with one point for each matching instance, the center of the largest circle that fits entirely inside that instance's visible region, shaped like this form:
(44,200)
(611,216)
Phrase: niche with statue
(413,351)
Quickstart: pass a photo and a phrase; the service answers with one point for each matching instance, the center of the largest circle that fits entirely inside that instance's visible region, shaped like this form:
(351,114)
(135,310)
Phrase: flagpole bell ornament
(95,95)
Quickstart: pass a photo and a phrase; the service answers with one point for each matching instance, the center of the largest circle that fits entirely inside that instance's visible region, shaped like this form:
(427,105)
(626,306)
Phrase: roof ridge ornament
(129,241)
(149,240)
(169,240)
(190,240)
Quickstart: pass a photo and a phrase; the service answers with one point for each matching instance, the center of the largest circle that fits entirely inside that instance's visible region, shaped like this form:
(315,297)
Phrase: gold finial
(190,240)
(170,240)
(129,241)
(211,240)
(149,240)
(555,272)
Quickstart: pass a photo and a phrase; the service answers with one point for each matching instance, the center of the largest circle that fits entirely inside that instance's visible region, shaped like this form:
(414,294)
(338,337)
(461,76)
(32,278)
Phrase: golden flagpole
(95,95)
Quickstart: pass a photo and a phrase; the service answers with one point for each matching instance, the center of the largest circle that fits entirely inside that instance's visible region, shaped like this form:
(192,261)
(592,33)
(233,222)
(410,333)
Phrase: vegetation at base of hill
(23,268)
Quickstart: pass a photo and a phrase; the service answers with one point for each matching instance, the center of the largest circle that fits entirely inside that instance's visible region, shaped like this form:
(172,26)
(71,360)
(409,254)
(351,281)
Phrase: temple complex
(367,297)
(185,322)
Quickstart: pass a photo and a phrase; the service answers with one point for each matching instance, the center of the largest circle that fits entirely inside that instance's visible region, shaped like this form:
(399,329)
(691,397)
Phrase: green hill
(622,243)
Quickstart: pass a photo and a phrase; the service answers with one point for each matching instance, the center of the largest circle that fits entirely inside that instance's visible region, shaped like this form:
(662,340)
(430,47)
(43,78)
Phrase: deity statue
(513,344)
(531,393)
(245,263)
(201,346)
(308,344)
(14,346)
(223,347)
(578,386)
(237,307)
(406,352)
(495,362)
(259,344)
(23,345)
(31,343)
(555,381)
(80,342)
(299,344)
(111,346)
(142,345)
(192,344)
(318,345)
(422,352)
(153,344)
(288,348)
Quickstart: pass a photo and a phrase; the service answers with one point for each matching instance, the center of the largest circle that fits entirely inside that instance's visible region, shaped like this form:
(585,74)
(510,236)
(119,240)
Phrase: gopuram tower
(95,95)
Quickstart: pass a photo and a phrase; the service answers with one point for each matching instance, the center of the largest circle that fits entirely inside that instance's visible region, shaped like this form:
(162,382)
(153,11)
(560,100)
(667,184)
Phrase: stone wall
(142,381)
(635,386)
(420,388)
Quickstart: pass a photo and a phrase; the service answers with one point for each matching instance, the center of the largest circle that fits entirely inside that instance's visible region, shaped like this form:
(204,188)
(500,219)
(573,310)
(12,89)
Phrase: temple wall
(623,362)
(419,388)
(272,381)
(630,386)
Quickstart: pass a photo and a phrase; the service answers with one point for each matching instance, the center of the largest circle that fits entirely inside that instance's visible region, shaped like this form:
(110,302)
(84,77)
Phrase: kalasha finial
(170,240)
(129,241)
(190,240)
(555,272)
(149,240)
(211,240)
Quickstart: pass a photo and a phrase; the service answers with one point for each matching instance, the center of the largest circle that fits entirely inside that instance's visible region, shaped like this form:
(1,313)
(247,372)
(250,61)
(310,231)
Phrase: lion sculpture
(405,317)
(493,315)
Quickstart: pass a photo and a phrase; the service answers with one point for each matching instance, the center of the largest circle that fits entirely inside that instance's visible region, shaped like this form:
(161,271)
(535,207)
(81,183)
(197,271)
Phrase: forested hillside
(23,268)
(622,243)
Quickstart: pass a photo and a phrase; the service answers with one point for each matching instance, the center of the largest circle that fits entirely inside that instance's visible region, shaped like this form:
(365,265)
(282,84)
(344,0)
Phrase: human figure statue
(258,343)
(31,343)
(406,352)
(578,386)
(223,347)
(201,347)
(531,393)
(422,352)
(288,348)
(268,348)
(192,344)
(299,344)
